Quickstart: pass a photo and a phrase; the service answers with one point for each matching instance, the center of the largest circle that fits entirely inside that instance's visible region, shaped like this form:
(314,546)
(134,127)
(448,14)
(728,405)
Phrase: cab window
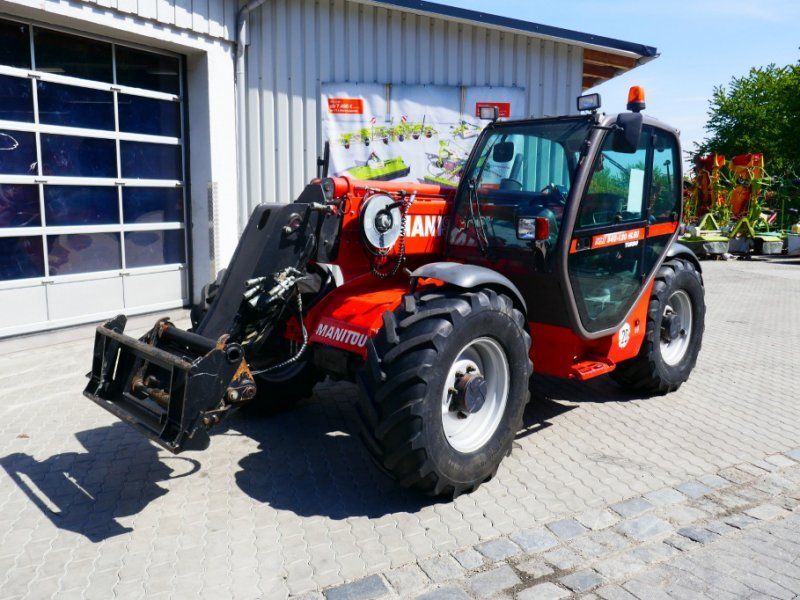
(616,190)
(665,191)
(523,170)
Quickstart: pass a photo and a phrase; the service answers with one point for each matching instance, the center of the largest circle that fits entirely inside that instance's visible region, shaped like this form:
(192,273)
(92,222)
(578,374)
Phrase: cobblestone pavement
(732,534)
(292,505)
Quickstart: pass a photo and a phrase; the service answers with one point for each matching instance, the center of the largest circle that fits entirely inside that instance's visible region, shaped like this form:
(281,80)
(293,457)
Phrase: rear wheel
(444,388)
(675,324)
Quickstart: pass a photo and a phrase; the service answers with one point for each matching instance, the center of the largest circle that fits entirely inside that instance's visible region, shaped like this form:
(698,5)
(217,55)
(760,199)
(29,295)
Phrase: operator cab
(577,211)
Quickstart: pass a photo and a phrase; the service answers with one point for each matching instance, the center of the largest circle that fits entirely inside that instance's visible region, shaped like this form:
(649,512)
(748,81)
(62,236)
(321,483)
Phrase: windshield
(529,157)
(520,170)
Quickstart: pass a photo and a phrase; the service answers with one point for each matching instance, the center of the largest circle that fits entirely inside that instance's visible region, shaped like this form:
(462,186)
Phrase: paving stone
(499,549)
(665,496)
(735,475)
(469,558)
(582,581)
(610,539)
(640,590)
(535,567)
(631,508)
(765,465)
(596,519)
(441,568)
(779,460)
(491,582)
(562,558)
(534,540)
(654,552)
(693,489)
(614,592)
(698,534)
(794,454)
(619,567)
(363,589)
(566,529)
(407,580)
(753,469)
(587,547)
(681,543)
(713,481)
(445,593)
(543,591)
(719,527)
(682,515)
(729,500)
(766,512)
(645,528)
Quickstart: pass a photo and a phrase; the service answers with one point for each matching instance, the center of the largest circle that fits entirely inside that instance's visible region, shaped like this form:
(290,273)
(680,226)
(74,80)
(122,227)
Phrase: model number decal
(617,237)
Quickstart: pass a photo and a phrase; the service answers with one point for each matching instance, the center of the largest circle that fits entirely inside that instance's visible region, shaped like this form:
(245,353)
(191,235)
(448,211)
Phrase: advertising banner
(407,132)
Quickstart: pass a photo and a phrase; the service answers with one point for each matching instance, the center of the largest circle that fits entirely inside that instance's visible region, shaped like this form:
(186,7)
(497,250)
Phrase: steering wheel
(551,188)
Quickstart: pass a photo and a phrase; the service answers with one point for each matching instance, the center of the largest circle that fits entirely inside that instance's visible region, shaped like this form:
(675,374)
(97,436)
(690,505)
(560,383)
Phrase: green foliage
(759,112)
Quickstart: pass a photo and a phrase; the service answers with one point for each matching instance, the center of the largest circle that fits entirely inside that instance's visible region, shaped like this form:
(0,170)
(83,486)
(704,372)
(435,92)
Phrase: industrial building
(137,135)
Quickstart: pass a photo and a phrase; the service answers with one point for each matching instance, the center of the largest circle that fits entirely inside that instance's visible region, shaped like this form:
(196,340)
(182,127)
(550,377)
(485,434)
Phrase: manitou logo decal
(425,225)
(341,335)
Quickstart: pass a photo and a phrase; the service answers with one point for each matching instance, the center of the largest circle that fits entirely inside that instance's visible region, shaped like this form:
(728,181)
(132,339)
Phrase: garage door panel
(92,195)
(155,288)
(22,306)
(74,253)
(77,298)
(21,257)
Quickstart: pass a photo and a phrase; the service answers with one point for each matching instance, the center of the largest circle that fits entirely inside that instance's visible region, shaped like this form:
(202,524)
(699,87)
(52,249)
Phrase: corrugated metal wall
(295,45)
(215,18)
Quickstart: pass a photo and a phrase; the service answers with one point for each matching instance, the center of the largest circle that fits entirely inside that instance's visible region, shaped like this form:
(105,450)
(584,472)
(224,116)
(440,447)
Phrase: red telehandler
(556,253)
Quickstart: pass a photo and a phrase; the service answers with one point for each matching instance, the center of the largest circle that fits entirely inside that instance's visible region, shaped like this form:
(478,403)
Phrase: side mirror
(626,137)
(533,228)
(503,152)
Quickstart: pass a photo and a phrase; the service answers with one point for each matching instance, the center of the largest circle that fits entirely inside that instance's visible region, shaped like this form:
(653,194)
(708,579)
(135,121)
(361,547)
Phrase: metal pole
(242,20)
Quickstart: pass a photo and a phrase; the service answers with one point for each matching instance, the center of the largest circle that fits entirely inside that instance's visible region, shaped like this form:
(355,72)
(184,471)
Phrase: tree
(759,112)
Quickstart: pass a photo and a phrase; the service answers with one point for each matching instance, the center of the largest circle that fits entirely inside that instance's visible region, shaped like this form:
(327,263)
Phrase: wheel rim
(676,327)
(470,432)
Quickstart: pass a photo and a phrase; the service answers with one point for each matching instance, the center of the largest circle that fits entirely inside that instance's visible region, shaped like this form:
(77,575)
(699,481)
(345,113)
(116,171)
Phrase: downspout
(242,20)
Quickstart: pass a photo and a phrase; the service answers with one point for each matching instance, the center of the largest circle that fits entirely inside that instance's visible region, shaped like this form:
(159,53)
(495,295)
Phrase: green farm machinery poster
(420,133)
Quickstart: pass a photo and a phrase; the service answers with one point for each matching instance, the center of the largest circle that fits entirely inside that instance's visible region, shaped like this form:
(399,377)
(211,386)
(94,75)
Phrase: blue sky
(703,43)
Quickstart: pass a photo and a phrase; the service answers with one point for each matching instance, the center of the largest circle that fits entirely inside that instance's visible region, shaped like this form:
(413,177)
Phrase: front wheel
(444,389)
(675,325)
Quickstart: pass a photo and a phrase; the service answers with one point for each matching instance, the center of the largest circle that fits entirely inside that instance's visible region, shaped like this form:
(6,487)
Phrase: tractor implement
(171,385)
(556,253)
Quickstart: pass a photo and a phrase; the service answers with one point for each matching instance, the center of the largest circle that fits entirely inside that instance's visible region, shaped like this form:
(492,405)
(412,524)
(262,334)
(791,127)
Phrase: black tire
(281,391)
(648,372)
(403,381)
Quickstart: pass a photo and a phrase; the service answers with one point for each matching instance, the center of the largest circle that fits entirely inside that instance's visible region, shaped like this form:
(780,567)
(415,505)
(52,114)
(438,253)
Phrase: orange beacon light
(636,99)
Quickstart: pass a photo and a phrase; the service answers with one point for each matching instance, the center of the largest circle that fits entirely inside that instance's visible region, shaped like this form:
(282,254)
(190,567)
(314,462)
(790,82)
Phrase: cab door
(605,263)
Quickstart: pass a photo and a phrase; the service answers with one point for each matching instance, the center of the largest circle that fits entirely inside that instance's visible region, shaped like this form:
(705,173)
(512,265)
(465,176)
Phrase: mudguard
(678,250)
(468,277)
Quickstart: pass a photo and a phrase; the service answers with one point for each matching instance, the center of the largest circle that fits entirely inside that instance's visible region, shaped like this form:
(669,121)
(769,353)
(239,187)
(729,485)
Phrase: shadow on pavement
(86,492)
(310,461)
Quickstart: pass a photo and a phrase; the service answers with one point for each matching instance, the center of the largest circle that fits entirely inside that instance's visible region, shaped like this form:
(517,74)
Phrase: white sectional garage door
(92,219)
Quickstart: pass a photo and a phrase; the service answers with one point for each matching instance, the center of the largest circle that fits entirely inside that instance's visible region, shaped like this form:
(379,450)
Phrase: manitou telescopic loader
(556,254)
